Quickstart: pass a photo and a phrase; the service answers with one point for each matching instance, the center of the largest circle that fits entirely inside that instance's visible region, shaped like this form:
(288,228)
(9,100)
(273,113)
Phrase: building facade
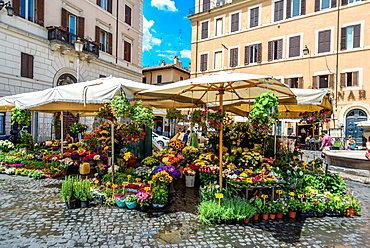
(38,46)
(306,44)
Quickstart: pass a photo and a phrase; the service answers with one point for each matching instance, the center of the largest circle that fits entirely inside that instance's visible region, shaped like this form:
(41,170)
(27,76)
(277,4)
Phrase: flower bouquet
(143,198)
(170,169)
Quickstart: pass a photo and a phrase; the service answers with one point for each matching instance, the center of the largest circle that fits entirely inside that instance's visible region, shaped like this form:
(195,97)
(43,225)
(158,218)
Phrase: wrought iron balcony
(61,34)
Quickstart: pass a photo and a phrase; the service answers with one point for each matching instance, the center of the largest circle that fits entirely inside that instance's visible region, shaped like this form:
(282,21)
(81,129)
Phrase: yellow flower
(150,182)
(294,157)
(128,176)
(291,193)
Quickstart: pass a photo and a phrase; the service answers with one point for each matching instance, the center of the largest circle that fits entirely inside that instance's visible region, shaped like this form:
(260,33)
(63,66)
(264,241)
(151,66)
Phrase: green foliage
(264,111)
(142,115)
(160,195)
(196,116)
(26,140)
(150,161)
(21,116)
(82,190)
(173,113)
(328,182)
(209,212)
(120,107)
(67,192)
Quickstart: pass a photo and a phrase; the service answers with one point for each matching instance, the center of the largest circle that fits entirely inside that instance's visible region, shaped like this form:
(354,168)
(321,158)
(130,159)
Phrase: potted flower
(294,205)
(78,128)
(189,176)
(82,192)
(130,201)
(67,192)
(282,208)
(256,202)
(120,200)
(143,199)
(160,197)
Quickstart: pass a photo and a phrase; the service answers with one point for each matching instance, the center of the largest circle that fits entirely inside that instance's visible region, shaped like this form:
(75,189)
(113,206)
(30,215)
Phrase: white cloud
(148,40)
(166,5)
(185,54)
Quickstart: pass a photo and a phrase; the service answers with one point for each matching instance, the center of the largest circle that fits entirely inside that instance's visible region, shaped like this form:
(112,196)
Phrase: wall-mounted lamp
(8,6)
(306,51)
(79,45)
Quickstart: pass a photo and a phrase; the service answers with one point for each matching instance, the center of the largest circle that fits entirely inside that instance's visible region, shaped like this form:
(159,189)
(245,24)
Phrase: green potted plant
(209,212)
(256,202)
(67,192)
(160,197)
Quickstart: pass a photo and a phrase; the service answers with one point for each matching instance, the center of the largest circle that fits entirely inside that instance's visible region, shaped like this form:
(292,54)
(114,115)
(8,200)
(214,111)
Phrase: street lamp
(79,45)
(8,6)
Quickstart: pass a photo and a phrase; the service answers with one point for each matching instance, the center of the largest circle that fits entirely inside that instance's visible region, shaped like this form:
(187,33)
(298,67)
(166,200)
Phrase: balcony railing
(60,34)
(211,5)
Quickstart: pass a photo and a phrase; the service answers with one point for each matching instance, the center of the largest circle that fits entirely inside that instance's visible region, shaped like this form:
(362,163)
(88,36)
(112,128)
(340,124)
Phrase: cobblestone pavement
(33,215)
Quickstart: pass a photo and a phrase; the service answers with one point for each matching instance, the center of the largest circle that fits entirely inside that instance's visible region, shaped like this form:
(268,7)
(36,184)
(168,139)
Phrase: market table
(247,189)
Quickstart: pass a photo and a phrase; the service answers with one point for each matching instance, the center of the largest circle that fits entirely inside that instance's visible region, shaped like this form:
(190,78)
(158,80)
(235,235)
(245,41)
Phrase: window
(204,34)
(74,24)
(206,5)
(294,46)
(220,3)
(144,80)
(278,10)
(253,54)
(181,78)
(275,49)
(128,15)
(105,4)
(159,79)
(203,62)
(325,4)
(295,8)
(26,65)
(234,57)
(323,81)
(350,37)
(105,40)
(66,79)
(296,82)
(349,79)
(253,18)
(345,2)
(127,51)
(324,41)
(2,123)
(219,30)
(217,60)
(234,22)
(27,9)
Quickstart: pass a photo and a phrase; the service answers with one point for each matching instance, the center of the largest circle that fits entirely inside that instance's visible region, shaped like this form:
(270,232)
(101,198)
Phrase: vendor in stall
(69,139)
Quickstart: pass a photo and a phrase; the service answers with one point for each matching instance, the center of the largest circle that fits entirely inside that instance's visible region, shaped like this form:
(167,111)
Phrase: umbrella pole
(61,131)
(220,138)
(112,142)
(275,140)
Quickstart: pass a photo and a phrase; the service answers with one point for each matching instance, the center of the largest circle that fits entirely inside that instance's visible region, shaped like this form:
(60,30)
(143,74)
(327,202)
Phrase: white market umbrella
(217,87)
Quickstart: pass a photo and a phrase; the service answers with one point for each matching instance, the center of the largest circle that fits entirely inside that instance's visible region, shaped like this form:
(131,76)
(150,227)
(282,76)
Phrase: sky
(167,31)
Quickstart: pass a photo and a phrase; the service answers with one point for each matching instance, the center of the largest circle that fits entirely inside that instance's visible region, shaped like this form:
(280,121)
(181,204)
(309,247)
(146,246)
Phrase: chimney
(163,63)
(176,60)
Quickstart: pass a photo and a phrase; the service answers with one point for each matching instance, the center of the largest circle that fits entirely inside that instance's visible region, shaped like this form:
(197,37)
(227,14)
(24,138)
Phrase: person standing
(326,142)
(186,137)
(351,143)
(367,154)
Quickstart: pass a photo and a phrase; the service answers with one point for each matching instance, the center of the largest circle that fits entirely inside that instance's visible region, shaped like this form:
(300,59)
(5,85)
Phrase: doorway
(352,118)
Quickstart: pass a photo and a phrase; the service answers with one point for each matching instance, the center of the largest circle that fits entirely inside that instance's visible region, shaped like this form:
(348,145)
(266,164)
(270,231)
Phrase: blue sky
(167,31)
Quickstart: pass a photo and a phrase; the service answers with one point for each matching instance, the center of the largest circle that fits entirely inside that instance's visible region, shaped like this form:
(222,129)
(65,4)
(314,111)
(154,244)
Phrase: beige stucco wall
(168,75)
(305,66)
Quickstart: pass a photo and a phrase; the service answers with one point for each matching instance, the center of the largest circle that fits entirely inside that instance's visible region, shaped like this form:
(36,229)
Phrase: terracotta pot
(292,215)
(131,162)
(265,216)
(350,212)
(246,220)
(256,216)
(279,215)
(272,216)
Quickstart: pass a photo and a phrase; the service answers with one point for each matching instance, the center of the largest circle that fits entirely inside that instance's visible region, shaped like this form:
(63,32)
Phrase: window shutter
(233,57)
(110,6)
(294,46)
(286,81)
(254,17)
(204,30)
(327,40)
(355,78)
(343,39)
(342,80)
(110,43)
(206,5)
(315,82)
(128,15)
(64,18)
(276,12)
(81,27)
(300,83)
(333,3)
(356,36)
(40,12)
(16,5)
(303,7)
(30,66)
(246,55)
(289,9)
(344,2)
(317,5)
(235,22)
(203,62)
(23,65)
(98,2)
(97,36)
(331,81)
(127,52)
(269,55)
(259,53)
(280,49)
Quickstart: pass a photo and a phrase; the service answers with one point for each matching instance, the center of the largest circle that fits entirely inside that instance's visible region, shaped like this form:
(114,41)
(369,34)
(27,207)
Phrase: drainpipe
(337,67)
(117,34)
